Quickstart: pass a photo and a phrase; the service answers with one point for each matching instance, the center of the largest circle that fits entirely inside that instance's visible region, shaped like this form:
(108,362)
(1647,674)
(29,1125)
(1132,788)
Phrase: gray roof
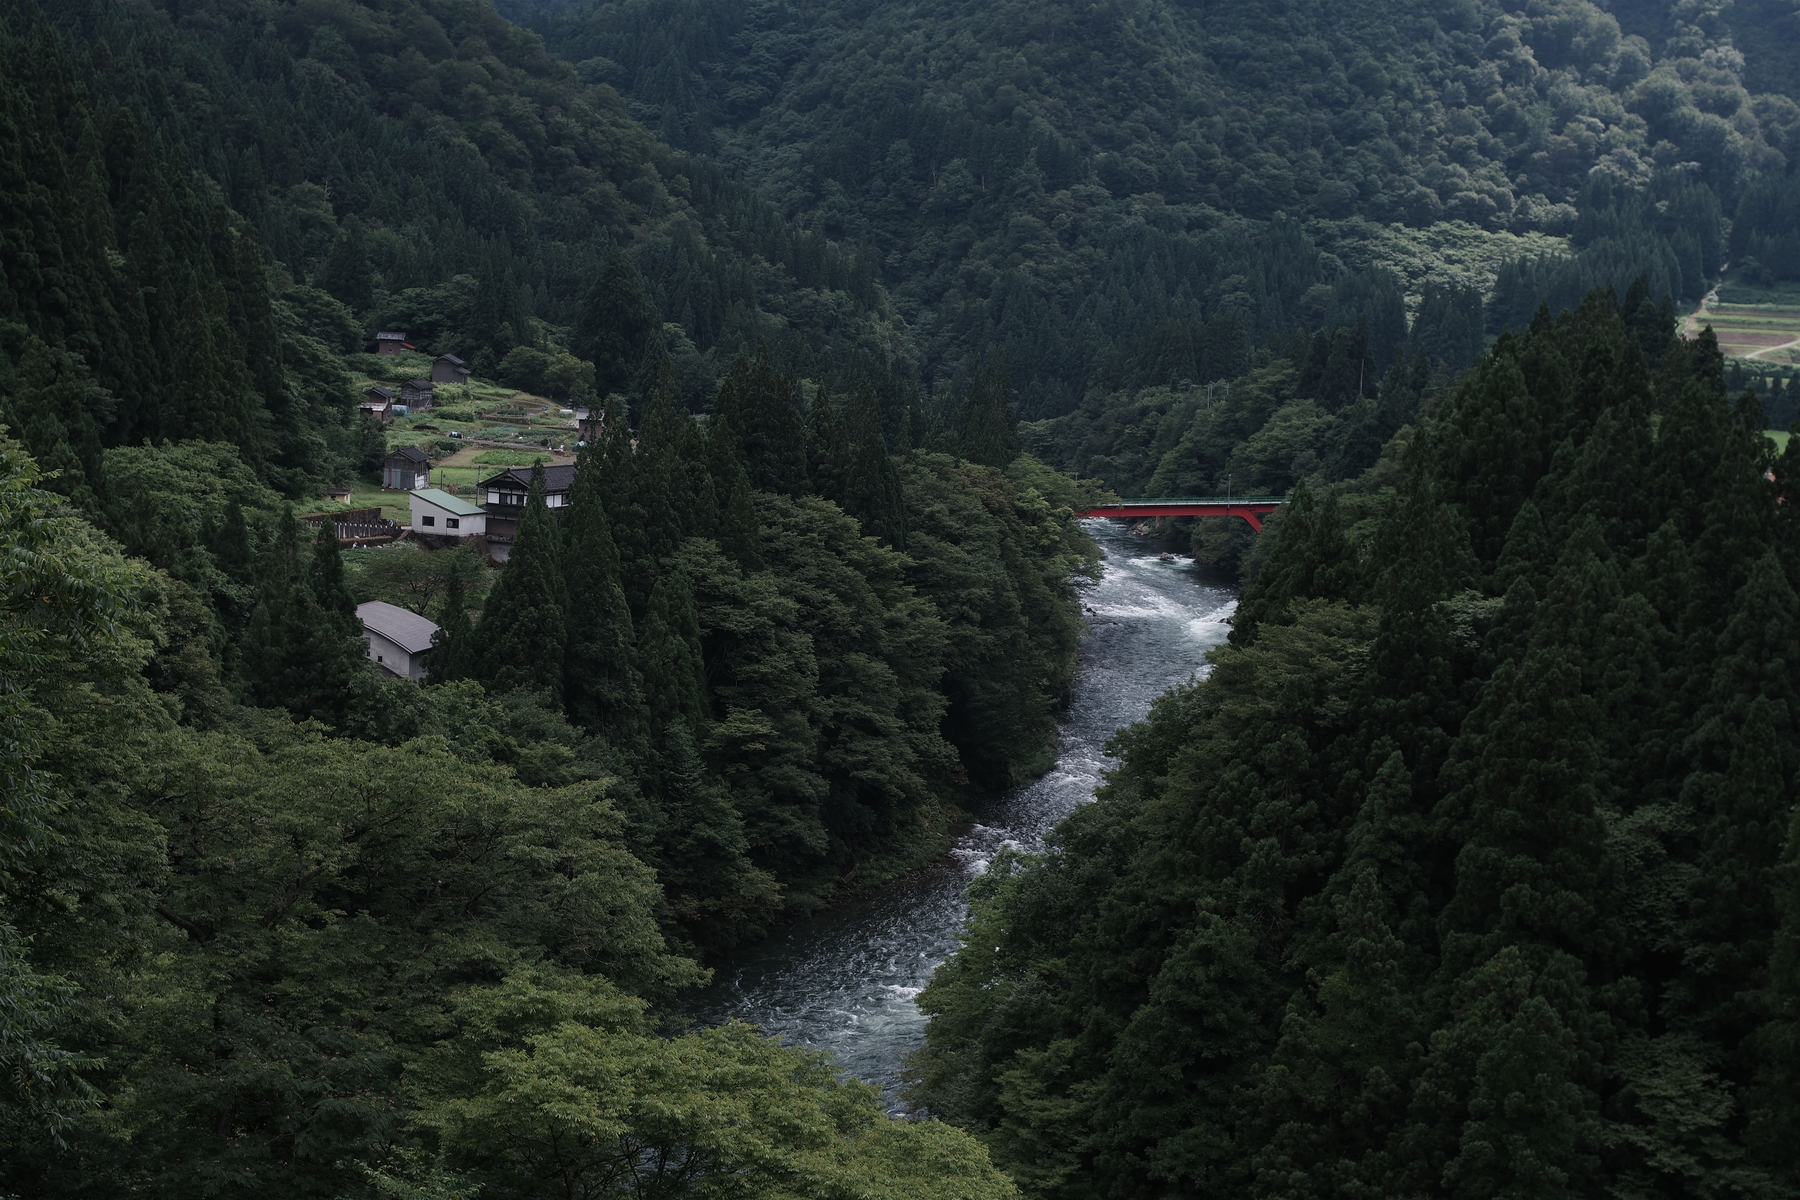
(384,393)
(559,477)
(424,384)
(451,359)
(407,630)
(412,453)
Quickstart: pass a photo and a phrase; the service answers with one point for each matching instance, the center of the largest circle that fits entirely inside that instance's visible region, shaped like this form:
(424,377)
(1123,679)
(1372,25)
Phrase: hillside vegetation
(1058,179)
(1467,870)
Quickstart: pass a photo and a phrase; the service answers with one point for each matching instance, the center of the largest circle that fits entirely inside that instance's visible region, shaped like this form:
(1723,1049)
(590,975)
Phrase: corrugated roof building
(397,639)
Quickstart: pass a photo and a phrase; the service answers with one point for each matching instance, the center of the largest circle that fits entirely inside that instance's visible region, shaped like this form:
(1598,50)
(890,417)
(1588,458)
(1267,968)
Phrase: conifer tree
(230,545)
(663,488)
(498,320)
(346,274)
(524,632)
(713,889)
(989,429)
(873,493)
(827,450)
(621,493)
(1311,558)
(669,656)
(296,654)
(601,687)
(615,324)
(325,576)
(739,534)
(455,647)
(761,407)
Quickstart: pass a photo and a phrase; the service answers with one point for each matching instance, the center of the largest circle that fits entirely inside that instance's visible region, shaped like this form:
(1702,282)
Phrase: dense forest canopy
(276,925)
(1061,178)
(1466,870)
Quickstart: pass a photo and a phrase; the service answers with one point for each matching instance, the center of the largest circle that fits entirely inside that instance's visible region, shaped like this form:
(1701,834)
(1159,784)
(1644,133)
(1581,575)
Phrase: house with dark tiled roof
(416,393)
(392,343)
(447,368)
(377,402)
(506,496)
(406,468)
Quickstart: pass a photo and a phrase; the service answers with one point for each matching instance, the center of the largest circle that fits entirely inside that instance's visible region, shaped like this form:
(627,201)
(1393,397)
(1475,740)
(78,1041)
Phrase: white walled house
(437,512)
(397,639)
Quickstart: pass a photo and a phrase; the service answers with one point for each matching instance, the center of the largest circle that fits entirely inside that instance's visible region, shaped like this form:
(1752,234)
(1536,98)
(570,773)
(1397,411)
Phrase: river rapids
(844,980)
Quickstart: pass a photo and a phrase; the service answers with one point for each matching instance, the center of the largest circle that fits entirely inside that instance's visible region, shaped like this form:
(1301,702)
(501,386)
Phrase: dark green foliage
(761,407)
(669,652)
(325,577)
(455,648)
(614,326)
(524,628)
(740,535)
(1101,193)
(600,679)
(829,456)
(1466,871)
(987,427)
(871,490)
(347,276)
(1764,245)
(300,650)
(1311,557)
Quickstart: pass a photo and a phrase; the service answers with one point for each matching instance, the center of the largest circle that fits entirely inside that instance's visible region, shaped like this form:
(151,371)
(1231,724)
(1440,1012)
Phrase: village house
(447,368)
(506,496)
(437,513)
(416,393)
(337,495)
(392,343)
(377,402)
(590,424)
(397,639)
(405,469)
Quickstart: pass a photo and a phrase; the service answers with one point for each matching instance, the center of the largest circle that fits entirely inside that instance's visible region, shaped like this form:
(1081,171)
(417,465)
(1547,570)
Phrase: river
(844,980)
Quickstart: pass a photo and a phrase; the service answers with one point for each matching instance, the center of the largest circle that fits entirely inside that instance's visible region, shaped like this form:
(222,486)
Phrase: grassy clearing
(1779,437)
(1753,321)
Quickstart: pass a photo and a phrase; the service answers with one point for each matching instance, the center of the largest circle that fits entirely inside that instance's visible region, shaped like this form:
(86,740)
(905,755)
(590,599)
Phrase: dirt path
(1688,326)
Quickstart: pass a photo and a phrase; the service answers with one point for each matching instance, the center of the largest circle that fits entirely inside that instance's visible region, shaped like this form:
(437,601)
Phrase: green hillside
(1057,179)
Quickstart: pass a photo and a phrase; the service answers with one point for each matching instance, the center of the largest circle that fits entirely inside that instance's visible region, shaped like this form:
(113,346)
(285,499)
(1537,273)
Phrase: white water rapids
(844,980)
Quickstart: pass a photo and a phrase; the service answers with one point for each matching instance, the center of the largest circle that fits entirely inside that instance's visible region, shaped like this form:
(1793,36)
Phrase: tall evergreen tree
(761,407)
(872,491)
(601,686)
(622,493)
(739,533)
(297,654)
(325,577)
(615,325)
(663,481)
(828,455)
(347,275)
(989,429)
(524,630)
(455,648)
(670,657)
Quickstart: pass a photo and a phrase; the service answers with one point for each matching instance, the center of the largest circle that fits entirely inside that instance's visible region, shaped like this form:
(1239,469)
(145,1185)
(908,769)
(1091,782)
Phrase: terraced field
(1752,322)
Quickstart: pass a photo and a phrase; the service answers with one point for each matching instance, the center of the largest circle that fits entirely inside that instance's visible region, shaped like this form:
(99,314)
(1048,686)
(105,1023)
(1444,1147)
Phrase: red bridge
(1252,508)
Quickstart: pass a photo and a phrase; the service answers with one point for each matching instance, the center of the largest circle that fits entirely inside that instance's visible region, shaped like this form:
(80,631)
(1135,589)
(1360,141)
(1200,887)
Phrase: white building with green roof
(438,513)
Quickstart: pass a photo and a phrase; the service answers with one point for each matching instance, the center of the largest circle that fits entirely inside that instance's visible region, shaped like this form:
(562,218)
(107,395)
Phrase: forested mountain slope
(1467,871)
(1058,179)
(421,167)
